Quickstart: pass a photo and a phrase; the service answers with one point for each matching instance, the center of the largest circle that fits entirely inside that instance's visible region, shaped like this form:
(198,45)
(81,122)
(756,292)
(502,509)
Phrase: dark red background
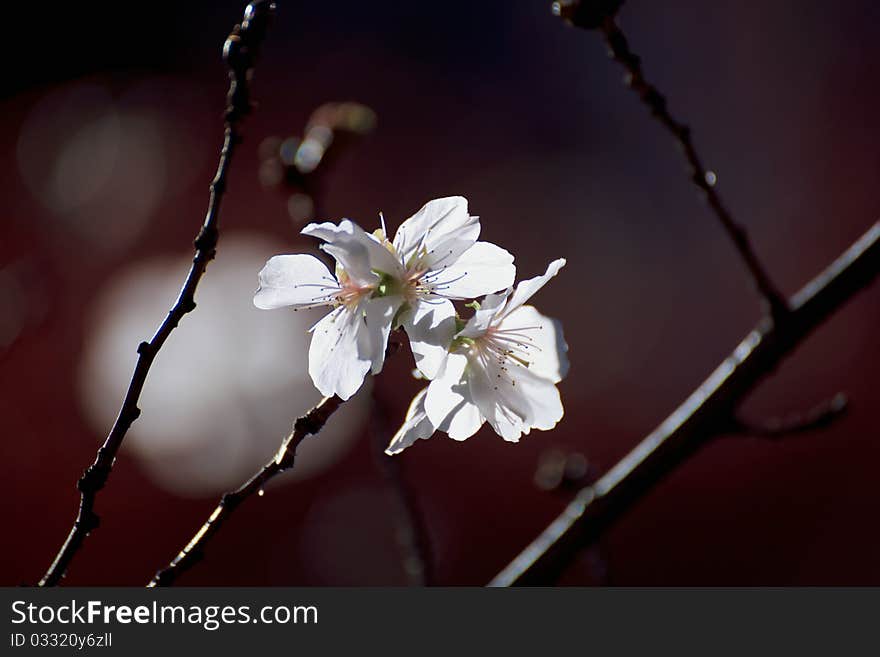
(502,103)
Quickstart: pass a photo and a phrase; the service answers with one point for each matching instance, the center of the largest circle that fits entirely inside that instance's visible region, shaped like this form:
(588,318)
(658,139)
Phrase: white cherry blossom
(438,259)
(434,258)
(502,368)
(350,340)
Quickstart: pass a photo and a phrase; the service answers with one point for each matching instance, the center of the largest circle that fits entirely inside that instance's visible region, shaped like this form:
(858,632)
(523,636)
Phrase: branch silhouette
(599,14)
(240,52)
(707,413)
(309,424)
(710,410)
(413,537)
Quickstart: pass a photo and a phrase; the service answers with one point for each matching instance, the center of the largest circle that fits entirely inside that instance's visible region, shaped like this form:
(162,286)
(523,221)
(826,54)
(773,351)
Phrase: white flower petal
(430,327)
(485,392)
(508,426)
(513,399)
(483,318)
(295,280)
(448,390)
(545,404)
(416,426)
(438,233)
(356,251)
(463,421)
(545,348)
(345,243)
(448,405)
(335,364)
(373,335)
(527,288)
(482,269)
(354,260)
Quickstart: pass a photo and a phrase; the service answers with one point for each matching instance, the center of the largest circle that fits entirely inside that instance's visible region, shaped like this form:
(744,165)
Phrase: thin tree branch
(564,473)
(819,417)
(704,415)
(599,14)
(240,52)
(412,531)
(309,424)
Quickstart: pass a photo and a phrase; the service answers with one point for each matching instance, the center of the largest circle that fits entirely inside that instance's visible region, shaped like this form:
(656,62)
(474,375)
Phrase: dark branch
(412,531)
(309,424)
(601,15)
(239,51)
(704,415)
(819,417)
(564,473)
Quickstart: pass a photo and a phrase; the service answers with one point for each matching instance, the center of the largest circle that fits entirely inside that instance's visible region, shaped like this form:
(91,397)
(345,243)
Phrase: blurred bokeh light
(101,165)
(225,390)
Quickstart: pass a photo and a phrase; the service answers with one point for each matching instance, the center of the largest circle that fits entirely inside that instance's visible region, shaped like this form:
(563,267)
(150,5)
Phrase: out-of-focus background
(112,123)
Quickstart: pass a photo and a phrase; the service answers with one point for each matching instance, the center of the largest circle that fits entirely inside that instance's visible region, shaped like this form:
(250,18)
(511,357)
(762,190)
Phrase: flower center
(350,293)
(498,349)
(412,284)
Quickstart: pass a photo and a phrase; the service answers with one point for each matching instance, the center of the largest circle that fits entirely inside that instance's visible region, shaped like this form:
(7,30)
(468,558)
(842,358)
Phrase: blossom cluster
(501,365)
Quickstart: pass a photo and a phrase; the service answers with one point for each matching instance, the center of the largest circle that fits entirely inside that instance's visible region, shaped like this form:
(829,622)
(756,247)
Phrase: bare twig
(704,415)
(412,531)
(819,417)
(307,425)
(710,410)
(239,51)
(563,473)
(701,177)
(599,14)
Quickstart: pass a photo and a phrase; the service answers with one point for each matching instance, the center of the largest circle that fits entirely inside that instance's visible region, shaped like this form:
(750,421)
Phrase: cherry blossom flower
(502,367)
(438,259)
(434,258)
(351,339)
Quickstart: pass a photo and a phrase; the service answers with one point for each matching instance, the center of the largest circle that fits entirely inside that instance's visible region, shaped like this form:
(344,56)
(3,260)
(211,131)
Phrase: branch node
(307,425)
(217,186)
(207,238)
(93,479)
(87,522)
